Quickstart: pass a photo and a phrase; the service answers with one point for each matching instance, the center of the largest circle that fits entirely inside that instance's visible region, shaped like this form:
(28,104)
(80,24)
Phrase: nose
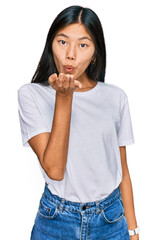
(71,54)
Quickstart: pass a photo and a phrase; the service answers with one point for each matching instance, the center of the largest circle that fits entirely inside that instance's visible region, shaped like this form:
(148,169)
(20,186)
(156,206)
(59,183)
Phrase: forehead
(75,31)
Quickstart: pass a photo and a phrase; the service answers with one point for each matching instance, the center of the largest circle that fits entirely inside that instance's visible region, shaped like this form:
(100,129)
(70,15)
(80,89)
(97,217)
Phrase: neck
(86,82)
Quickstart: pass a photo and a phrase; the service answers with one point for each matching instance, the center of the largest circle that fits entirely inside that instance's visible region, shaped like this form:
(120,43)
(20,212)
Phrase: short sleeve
(125,132)
(31,120)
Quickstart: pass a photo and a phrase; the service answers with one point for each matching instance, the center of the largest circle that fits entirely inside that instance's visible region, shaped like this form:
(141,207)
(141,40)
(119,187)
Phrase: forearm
(55,156)
(128,202)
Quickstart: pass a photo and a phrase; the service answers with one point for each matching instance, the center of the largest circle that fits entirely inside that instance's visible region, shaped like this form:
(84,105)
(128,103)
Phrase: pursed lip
(69,66)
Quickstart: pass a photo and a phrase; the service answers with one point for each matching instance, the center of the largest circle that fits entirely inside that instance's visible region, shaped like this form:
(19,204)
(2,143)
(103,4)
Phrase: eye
(83,45)
(62,42)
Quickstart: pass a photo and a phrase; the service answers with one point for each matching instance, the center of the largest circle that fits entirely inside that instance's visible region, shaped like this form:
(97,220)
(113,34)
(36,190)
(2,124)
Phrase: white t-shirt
(100,123)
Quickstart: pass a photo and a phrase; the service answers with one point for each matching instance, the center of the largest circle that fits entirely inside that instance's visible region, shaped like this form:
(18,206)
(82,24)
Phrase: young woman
(78,127)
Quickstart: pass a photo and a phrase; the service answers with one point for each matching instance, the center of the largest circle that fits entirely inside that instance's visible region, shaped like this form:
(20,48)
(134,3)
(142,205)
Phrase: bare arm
(127,194)
(55,155)
(52,148)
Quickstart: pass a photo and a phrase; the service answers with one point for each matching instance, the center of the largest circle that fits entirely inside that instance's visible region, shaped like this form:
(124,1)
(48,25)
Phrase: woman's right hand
(64,84)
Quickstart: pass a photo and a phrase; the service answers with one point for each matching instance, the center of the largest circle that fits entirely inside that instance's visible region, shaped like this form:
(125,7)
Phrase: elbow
(54,174)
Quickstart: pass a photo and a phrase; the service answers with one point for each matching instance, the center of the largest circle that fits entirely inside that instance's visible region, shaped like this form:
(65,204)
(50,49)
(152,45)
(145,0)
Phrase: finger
(78,84)
(72,83)
(60,79)
(66,80)
(52,78)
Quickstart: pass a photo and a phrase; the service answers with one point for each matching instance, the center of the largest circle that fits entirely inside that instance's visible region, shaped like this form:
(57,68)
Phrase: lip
(69,68)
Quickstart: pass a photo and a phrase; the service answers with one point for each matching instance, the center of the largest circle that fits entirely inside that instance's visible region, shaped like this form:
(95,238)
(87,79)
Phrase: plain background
(131,43)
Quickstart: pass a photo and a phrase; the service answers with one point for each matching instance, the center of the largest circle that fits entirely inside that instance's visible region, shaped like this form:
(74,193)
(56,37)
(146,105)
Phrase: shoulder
(115,93)
(28,87)
(22,90)
(25,92)
(114,90)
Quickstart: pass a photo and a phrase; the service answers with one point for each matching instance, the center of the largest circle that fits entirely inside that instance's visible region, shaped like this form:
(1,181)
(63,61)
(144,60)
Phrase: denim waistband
(88,207)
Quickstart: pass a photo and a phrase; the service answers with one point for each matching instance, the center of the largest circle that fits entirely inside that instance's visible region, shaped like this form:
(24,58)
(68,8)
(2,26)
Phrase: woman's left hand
(135,237)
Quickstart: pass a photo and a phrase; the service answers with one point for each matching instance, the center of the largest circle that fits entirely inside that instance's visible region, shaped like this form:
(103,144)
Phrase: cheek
(86,58)
(85,62)
(58,59)
(57,53)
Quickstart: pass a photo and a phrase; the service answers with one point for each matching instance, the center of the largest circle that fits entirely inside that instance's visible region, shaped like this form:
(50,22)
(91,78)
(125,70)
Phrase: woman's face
(73,46)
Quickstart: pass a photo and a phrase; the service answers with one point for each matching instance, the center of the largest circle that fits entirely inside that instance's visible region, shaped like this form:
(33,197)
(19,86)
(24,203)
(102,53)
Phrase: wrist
(63,96)
(135,237)
(133,232)
(63,100)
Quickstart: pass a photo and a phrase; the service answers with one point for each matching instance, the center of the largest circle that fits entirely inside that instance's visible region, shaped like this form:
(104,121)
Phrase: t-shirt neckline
(84,93)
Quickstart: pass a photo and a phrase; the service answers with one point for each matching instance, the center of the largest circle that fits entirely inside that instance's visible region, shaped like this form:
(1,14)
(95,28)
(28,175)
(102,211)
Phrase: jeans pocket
(114,212)
(47,209)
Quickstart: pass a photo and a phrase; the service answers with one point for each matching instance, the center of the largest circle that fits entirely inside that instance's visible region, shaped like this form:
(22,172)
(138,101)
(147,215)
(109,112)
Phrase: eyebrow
(62,34)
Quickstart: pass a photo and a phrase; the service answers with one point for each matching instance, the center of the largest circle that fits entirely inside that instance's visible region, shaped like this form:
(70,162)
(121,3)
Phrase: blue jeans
(58,218)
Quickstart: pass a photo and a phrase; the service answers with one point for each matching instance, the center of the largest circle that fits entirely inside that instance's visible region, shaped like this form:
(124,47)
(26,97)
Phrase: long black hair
(70,15)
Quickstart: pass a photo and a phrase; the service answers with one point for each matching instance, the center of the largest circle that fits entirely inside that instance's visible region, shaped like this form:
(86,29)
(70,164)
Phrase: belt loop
(97,207)
(61,205)
(119,190)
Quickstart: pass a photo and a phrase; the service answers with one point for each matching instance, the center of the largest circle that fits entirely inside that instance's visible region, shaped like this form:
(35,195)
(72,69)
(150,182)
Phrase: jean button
(84,207)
